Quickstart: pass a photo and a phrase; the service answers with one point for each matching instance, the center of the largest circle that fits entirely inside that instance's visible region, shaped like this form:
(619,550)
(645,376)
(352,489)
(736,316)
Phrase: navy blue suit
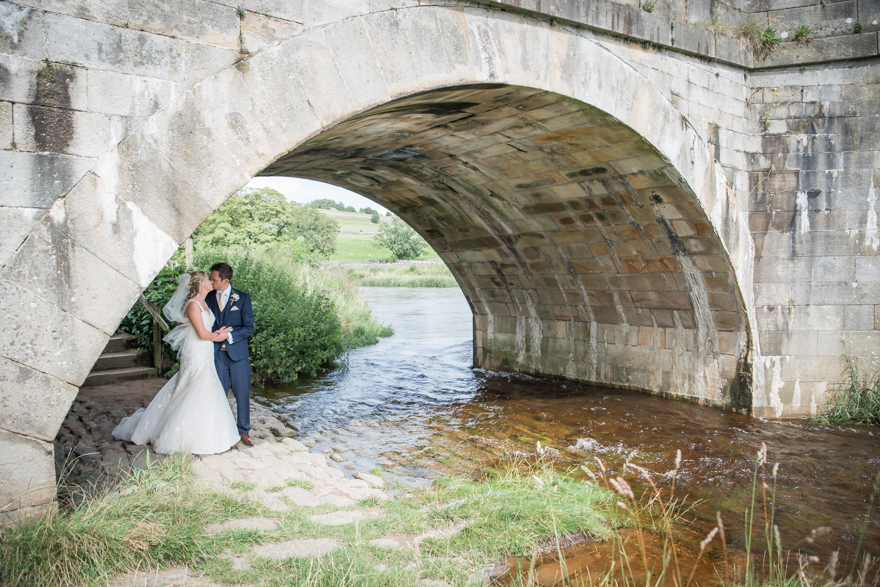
(234,364)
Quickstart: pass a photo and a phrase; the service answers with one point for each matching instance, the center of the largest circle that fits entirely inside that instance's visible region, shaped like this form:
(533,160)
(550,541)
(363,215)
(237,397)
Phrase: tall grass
(402,275)
(857,403)
(155,518)
(359,326)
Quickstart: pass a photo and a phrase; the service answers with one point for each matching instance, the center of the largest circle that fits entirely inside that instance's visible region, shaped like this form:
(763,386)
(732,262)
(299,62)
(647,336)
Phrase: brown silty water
(414,406)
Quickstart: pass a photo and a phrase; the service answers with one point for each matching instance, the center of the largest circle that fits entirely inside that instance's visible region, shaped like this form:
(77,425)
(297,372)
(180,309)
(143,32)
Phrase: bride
(190,413)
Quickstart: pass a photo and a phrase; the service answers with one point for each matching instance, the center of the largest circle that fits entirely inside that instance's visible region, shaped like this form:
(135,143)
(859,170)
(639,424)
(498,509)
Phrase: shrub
(759,41)
(306,318)
(401,240)
(857,403)
(804,33)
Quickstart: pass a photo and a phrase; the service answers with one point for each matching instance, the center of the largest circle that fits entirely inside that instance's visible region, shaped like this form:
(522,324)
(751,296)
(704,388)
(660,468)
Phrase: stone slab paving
(259,524)
(313,547)
(345,517)
(176,577)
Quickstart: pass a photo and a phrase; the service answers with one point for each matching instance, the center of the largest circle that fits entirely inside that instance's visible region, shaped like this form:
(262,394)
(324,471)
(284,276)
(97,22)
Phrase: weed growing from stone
(858,402)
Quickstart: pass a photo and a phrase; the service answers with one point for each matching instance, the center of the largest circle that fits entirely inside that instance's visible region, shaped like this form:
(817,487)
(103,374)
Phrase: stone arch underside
(581,250)
(619,260)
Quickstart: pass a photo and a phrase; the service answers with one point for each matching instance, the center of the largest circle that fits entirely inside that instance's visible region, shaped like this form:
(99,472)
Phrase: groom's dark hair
(223,270)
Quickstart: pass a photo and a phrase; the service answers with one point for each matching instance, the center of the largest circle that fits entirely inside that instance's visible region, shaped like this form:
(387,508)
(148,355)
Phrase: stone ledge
(639,26)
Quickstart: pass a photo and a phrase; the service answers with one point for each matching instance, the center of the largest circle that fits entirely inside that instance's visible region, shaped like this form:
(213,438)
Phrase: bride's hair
(197,279)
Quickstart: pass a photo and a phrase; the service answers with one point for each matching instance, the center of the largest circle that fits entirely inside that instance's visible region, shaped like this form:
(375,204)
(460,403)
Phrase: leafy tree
(388,213)
(367,210)
(374,217)
(401,240)
(350,209)
(327,204)
(264,218)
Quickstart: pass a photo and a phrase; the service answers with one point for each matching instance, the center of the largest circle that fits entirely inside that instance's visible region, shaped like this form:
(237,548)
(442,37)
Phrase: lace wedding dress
(191,413)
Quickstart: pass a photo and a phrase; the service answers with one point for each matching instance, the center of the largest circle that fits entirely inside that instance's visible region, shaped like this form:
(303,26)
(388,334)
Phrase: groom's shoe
(246,439)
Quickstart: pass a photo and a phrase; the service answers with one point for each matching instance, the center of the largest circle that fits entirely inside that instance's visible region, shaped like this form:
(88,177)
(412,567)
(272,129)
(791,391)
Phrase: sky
(304,191)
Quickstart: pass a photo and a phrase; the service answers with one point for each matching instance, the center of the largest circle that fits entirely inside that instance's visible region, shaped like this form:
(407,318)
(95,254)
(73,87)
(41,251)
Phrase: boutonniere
(234,297)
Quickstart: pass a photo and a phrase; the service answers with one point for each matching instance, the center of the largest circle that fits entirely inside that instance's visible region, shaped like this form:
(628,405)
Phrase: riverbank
(275,512)
(420,273)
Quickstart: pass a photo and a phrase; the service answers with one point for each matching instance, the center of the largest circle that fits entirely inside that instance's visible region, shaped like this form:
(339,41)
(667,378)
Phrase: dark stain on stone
(535,184)
(53,121)
(586,172)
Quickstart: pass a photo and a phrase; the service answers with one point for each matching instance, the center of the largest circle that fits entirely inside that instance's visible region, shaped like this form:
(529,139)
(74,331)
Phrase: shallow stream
(414,406)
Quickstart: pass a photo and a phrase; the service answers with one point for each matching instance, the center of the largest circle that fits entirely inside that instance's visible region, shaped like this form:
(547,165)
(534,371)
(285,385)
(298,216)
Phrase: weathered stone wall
(123,124)
(814,186)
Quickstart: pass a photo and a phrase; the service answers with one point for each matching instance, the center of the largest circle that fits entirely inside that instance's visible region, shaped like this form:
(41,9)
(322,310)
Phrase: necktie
(221,300)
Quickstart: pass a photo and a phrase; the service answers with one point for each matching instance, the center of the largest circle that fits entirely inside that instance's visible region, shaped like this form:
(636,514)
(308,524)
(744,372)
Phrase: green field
(355,240)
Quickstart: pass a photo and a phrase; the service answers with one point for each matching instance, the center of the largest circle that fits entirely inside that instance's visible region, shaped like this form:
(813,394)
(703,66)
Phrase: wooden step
(121,360)
(114,375)
(119,342)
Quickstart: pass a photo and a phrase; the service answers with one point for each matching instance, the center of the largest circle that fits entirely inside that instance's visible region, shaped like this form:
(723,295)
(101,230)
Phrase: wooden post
(188,250)
(157,347)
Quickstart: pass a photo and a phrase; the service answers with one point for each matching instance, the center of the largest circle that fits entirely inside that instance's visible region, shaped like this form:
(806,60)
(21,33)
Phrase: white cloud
(304,191)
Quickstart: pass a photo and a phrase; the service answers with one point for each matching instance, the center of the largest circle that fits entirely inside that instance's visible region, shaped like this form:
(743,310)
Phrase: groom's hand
(220,335)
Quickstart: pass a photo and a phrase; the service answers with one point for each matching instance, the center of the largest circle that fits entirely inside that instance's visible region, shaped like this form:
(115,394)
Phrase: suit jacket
(240,316)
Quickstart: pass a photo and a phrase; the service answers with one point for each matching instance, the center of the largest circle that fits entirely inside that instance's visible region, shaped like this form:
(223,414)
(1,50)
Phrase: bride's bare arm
(193,312)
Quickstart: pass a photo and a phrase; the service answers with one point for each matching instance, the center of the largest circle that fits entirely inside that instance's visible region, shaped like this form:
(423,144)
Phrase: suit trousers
(236,374)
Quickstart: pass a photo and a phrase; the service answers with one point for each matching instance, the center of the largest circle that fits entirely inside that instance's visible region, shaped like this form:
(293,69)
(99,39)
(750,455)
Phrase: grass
(402,275)
(354,247)
(355,239)
(157,518)
(754,38)
(856,403)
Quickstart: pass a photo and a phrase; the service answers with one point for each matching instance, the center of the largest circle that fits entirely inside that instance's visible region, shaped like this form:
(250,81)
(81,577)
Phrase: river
(414,406)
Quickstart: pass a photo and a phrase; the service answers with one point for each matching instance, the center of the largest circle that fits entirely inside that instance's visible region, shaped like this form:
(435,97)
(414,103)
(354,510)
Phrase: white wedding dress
(191,413)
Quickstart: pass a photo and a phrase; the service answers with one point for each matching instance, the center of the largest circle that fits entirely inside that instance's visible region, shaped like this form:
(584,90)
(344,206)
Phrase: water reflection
(413,405)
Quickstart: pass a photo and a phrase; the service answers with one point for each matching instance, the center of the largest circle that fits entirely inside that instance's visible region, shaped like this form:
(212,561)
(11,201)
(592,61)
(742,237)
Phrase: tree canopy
(264,218)
(401,240)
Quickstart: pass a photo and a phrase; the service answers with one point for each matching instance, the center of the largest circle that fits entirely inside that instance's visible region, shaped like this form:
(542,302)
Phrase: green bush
(305,317)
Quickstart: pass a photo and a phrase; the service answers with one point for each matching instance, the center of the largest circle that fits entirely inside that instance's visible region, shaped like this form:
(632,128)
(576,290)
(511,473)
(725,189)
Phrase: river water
(414,406)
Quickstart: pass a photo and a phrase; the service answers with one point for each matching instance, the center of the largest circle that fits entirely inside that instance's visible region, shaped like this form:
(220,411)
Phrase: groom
(232,308)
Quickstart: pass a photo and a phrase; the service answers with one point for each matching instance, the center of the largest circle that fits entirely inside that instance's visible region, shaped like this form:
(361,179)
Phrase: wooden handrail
(158,323)
(154,312)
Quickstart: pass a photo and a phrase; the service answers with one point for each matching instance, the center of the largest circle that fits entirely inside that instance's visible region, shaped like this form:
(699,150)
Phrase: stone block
(159,192)
(113,12)
(802,343)
(358,64)
(46,338)
(22,32)
(114,230)
(202,61)
(5,125)
(318,12)
(260,32)
(36,180)
(66,131)
(197,152)
(822,50)
(15,224)
(58,271)
(24,389)
(132,96)
(395,52)
(101,46)
(193,20)
(28,467)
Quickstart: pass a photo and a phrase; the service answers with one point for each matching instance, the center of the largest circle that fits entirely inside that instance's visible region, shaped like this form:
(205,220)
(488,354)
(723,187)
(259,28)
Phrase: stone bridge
(624,196)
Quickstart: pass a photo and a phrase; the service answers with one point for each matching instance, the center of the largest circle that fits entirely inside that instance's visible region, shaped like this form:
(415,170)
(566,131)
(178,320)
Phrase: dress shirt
(223,296)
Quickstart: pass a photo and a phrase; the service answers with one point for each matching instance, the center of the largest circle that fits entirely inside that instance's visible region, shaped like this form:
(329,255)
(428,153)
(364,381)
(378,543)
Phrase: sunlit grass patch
(154,519)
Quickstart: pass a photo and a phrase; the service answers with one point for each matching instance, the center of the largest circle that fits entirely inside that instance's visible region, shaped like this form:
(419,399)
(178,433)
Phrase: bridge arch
(586,221)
